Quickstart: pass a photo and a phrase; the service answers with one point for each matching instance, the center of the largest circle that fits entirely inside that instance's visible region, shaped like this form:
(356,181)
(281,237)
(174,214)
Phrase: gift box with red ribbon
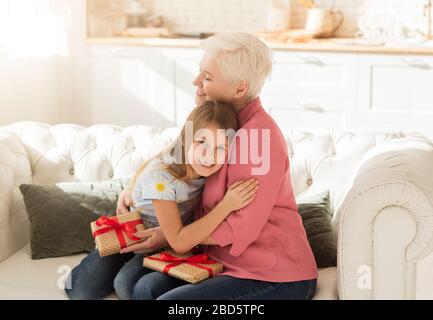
(188,267)
(112,234)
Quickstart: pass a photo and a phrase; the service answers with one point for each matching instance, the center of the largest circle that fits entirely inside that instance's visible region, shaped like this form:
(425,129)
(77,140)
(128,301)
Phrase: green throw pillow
(316,217)
(60,214)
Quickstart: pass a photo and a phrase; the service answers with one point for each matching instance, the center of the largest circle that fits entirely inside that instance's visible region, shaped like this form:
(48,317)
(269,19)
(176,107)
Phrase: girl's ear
(242,89)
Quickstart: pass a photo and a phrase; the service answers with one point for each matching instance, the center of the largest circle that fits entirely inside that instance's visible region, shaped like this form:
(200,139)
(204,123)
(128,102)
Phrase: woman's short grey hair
(241,57)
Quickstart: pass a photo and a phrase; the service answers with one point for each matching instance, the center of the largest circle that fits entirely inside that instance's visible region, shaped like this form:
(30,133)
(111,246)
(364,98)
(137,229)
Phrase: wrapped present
(188,267)
(112,234)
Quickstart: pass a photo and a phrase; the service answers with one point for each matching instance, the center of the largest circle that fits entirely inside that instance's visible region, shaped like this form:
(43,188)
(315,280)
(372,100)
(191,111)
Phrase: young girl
(165,190)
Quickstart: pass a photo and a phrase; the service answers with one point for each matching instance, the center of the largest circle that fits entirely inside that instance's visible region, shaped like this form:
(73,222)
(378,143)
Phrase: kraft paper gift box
(112,234)
(188,267)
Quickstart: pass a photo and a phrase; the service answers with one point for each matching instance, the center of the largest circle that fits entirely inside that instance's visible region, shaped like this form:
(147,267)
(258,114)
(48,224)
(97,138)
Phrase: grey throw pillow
(60,214)
(316,217)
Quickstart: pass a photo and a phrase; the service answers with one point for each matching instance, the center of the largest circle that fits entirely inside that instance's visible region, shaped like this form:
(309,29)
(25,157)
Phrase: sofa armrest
(385,224)
(14,170)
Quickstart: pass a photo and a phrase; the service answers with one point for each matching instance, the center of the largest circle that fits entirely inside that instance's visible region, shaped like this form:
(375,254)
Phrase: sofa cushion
(317,220)
(327,288)
(24,278)
(60,214)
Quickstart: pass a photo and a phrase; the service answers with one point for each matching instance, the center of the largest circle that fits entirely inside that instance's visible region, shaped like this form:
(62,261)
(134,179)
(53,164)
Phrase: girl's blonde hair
(222,115)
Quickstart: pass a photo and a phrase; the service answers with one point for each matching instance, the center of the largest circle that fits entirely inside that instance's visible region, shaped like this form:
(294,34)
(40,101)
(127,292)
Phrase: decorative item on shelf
(278,15)
(147,32)
(286,36)
(323,23)
(154,21)
(135,14)
(375,29)
(370,27)
(200,35)
(428,14)
(142,26)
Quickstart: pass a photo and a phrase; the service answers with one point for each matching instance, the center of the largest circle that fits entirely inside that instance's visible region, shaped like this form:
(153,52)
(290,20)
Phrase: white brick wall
(194,16)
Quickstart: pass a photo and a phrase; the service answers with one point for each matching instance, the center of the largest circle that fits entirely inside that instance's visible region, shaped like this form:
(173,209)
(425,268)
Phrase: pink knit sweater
(265,240)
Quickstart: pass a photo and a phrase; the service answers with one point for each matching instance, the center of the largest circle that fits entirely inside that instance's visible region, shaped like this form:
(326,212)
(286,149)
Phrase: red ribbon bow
(195,260)
(128,228)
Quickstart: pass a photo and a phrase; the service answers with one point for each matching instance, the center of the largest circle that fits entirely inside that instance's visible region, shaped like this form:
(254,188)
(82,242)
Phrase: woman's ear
(242,89)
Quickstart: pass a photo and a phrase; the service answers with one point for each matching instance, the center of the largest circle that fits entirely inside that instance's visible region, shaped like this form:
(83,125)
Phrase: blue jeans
(95,277)
(222,287)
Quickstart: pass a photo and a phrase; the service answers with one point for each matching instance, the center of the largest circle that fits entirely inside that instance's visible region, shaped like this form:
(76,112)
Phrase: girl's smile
(208,151)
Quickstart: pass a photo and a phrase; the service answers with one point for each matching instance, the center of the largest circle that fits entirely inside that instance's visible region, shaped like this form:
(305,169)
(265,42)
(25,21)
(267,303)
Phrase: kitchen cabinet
(309,89)
(354,91)
(141,85)
(185,64)
(395,92)
(131,85)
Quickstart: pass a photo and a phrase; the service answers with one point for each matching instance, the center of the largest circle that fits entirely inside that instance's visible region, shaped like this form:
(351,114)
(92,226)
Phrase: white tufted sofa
(381,187)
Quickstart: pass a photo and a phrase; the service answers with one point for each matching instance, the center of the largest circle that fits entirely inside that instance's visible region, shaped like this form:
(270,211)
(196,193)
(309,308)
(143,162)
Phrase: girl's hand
(152,239)
(240,194)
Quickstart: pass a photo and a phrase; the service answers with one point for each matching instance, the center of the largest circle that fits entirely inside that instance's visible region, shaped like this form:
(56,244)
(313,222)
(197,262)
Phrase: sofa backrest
(40,153)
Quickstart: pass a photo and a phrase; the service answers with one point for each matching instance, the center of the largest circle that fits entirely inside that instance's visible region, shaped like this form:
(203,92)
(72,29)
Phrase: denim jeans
(223,287)
(95,277)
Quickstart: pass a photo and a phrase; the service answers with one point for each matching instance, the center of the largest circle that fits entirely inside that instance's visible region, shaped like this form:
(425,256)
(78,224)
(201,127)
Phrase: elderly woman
(263,247)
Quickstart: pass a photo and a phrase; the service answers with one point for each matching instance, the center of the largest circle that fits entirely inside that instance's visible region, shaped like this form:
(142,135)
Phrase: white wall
(43,59)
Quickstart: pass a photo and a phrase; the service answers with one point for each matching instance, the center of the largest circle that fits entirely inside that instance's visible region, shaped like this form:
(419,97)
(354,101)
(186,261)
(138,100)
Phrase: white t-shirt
(157,183)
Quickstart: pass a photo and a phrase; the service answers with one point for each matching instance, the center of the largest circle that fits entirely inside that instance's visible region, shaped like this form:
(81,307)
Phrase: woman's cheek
(208,88)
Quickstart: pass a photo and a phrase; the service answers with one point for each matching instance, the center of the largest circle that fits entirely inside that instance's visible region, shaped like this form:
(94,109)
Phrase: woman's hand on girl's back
(124,202)
(240,194)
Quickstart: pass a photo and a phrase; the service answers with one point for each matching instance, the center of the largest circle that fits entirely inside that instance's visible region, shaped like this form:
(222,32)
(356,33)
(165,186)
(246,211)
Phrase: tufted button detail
(72,171)
(309,181)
